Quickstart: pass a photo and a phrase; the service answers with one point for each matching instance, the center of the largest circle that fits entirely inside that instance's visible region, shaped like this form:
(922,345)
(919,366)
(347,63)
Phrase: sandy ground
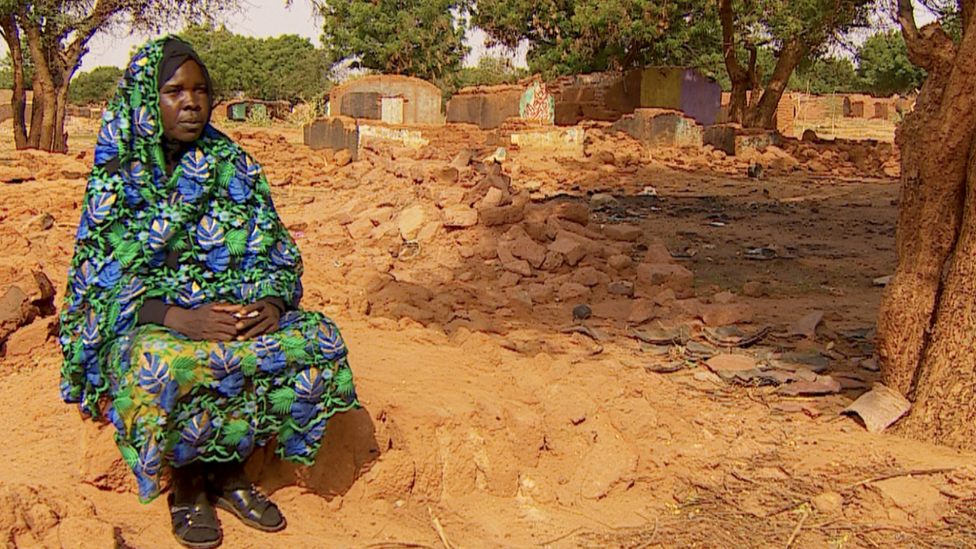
(491,426)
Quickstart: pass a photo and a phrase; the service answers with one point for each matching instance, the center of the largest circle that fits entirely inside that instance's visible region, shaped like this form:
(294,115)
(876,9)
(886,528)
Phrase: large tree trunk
(738,75)
(18,99)
(764,114)
(928,315)
(46,96)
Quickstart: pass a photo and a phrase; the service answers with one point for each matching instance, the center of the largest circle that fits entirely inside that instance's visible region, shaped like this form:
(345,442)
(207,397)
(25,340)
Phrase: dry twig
(440,529)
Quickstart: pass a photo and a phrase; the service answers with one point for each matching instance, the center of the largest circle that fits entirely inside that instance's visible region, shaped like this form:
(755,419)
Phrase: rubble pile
(843,158)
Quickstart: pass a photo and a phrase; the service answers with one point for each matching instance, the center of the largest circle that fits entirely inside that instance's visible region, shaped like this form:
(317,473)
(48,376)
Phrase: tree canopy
(884,67)
(95,86)
(57,33)
(422,38)
(574,36)
(286,67)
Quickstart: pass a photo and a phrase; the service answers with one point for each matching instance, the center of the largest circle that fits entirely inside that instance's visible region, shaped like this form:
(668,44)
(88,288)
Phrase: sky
(263,18)
(259,18)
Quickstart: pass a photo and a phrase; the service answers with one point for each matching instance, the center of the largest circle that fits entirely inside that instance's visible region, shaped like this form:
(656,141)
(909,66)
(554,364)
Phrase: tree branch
(728,40)
(931,48)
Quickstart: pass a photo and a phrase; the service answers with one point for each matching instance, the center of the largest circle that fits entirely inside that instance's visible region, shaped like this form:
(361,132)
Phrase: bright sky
(261,18)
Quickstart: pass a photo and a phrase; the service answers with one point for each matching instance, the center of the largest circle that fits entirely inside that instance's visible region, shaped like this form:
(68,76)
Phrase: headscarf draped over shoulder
(215,212)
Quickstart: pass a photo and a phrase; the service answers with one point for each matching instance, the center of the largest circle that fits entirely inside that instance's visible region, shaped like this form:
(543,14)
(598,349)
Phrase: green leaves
(127,252)
(294,348)
(129,454)
(343,381)
(234,431)
(95,86)
(225,172)
(184,370)
(249,365)
(884,67)
(281,400)
(236,242)
(123,401)
(419,38)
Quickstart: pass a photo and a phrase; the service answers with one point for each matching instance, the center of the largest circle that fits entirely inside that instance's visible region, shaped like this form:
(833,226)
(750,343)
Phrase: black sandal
(253,508)
(195,525)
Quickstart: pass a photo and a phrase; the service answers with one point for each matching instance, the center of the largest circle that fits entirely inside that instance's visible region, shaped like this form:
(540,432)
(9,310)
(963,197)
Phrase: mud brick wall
(486,107)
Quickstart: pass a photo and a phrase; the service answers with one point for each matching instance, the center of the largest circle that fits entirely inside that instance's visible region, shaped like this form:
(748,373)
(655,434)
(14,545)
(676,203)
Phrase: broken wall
(661,128)
(485,106)
(599,96)
(334,133)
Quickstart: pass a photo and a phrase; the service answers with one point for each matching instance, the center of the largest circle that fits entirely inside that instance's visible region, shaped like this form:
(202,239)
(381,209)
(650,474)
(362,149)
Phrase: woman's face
(184,103)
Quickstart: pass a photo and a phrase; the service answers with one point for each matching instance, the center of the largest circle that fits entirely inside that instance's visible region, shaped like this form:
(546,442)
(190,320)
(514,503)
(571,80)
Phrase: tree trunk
(60,137)
(738,75)
(37,117)
(928,315)
(18,99)
(47,94)
(764,114)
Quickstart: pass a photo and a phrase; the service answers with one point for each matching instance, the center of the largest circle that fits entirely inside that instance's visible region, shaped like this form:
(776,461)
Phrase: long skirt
(177,401)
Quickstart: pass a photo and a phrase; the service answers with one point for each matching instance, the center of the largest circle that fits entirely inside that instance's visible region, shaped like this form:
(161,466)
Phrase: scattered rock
(39,223)
(571,248)
(729,366)
(460,216)
(807,326)
(446,175)
(589,276)
(829,503)
(510,262)
(16,310)
(495,198)
(883,281)
(603,201)
(360,228)
(502,215)
(342,158)
(822,385)
(582,312)
(915,497)
(412,220)
(657,252)
(571,291)
(620,262)
(576,212)
(621,287)
(527,249)
(625,233)
(675,277)
(642,311)
(753,289)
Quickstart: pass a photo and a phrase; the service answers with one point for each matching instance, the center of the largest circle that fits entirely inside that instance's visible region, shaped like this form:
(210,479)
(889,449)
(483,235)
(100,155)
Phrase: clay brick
(675,277)
(576,212)
(571,291)
(625,233)
(571,248)
(503,215)
(527,249)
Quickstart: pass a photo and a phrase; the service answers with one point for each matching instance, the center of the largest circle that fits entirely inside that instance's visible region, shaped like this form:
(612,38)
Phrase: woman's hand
(210,322)
(257,319)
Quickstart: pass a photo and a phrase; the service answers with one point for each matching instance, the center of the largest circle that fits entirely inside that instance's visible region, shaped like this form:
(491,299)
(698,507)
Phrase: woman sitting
(181,322)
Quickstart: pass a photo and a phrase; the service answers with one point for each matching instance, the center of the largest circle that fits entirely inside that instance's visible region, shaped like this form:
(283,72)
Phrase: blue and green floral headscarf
(214,211)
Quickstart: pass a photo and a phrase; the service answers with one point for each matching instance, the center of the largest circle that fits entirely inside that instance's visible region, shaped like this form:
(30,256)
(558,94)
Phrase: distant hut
(390,98)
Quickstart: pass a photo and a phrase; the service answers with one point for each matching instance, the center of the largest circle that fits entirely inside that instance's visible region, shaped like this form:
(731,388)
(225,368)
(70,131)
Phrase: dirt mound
(487,422)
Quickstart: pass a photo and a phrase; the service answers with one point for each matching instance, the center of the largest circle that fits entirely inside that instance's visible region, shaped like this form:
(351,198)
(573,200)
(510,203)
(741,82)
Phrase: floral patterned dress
(173,400)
